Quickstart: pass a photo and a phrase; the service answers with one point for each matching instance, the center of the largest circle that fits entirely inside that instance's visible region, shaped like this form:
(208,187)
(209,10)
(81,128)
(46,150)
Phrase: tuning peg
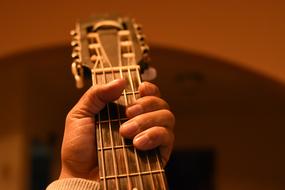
(145,49)
(76,49)
(74,43)
(138,26)
(141,37)
(75,55)
(77,72)
(73,33)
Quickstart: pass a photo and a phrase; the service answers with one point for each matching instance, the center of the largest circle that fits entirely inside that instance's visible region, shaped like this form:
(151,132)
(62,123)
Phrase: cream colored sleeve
(73,184)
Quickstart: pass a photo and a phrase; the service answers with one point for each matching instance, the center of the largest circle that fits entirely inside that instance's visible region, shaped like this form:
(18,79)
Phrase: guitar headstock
(107,43)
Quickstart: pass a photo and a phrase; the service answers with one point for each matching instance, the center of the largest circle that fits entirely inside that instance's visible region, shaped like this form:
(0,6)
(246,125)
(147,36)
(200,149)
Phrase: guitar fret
(160,167)
(118,69)
(136,154)
(122,139)
(115,147)
(112,120)
(102,160)
(133,174)
(131,93)
(113,151)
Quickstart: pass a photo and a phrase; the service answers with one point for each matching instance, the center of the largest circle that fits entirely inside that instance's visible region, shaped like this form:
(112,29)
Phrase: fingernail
(134,110)
(129,129)
(142,141)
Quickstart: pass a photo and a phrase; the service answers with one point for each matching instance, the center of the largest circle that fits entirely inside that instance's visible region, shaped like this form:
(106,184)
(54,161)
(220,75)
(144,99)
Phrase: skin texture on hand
(150,125)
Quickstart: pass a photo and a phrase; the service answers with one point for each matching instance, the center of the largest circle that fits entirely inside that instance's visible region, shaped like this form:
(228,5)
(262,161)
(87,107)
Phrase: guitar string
(100,53)
(102,67)
(129,62)
(157,158)
(158,161)
(110,129)
(119,115)
(113,151)
(147,156)
(128,58)
(156,154)
(126,103)
(160,168)
(95,81)
(126,161)
(136,154)
(123,142)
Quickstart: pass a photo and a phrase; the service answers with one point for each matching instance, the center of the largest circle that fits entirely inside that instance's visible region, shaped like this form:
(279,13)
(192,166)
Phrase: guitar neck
(112,49)
(121,165)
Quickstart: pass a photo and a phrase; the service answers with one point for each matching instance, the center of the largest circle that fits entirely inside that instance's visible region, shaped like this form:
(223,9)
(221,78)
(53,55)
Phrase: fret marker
(135,188)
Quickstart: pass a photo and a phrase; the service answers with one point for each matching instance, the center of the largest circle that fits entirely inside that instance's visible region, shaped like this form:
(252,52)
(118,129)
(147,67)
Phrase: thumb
(96,98)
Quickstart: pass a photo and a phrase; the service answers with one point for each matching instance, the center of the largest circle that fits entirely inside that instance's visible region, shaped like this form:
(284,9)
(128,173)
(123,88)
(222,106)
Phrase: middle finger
(144,121)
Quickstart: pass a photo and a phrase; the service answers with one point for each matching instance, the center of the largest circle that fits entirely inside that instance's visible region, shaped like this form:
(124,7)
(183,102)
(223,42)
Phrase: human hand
(150,125)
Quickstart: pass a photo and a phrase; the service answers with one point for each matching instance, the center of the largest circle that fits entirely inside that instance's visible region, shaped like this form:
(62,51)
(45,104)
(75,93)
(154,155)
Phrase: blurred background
(220,65)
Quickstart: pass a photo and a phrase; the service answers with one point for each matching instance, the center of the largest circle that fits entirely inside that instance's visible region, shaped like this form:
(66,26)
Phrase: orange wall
(249,32)
(236,113)
(13,162)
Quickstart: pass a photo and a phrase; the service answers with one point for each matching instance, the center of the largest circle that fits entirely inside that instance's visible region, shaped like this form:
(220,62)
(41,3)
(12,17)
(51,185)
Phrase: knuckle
(164,137)
(149,89)
(159,103)
(170,116)
(169,136)
(166,105)
(152,103)
(162,131)
(68,117)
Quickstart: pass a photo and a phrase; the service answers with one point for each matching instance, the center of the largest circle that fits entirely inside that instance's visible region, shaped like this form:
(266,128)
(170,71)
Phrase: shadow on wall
(220,109)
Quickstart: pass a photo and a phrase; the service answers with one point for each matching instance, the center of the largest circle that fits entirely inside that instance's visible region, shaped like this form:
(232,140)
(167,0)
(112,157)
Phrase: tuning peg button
(75,55)
(141,37)
(74,43)
(76,49)
(145,49)
(77,72)
(138,26)
(73,33)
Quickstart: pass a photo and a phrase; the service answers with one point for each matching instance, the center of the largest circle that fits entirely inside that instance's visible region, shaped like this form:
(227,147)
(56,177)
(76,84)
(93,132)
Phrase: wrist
(73,183)
(70,173)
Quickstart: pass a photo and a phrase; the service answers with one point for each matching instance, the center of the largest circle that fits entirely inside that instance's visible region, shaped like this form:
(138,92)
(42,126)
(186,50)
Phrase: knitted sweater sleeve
(73,184)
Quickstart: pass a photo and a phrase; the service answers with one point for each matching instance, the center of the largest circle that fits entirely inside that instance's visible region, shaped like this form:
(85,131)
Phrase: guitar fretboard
(121,165)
